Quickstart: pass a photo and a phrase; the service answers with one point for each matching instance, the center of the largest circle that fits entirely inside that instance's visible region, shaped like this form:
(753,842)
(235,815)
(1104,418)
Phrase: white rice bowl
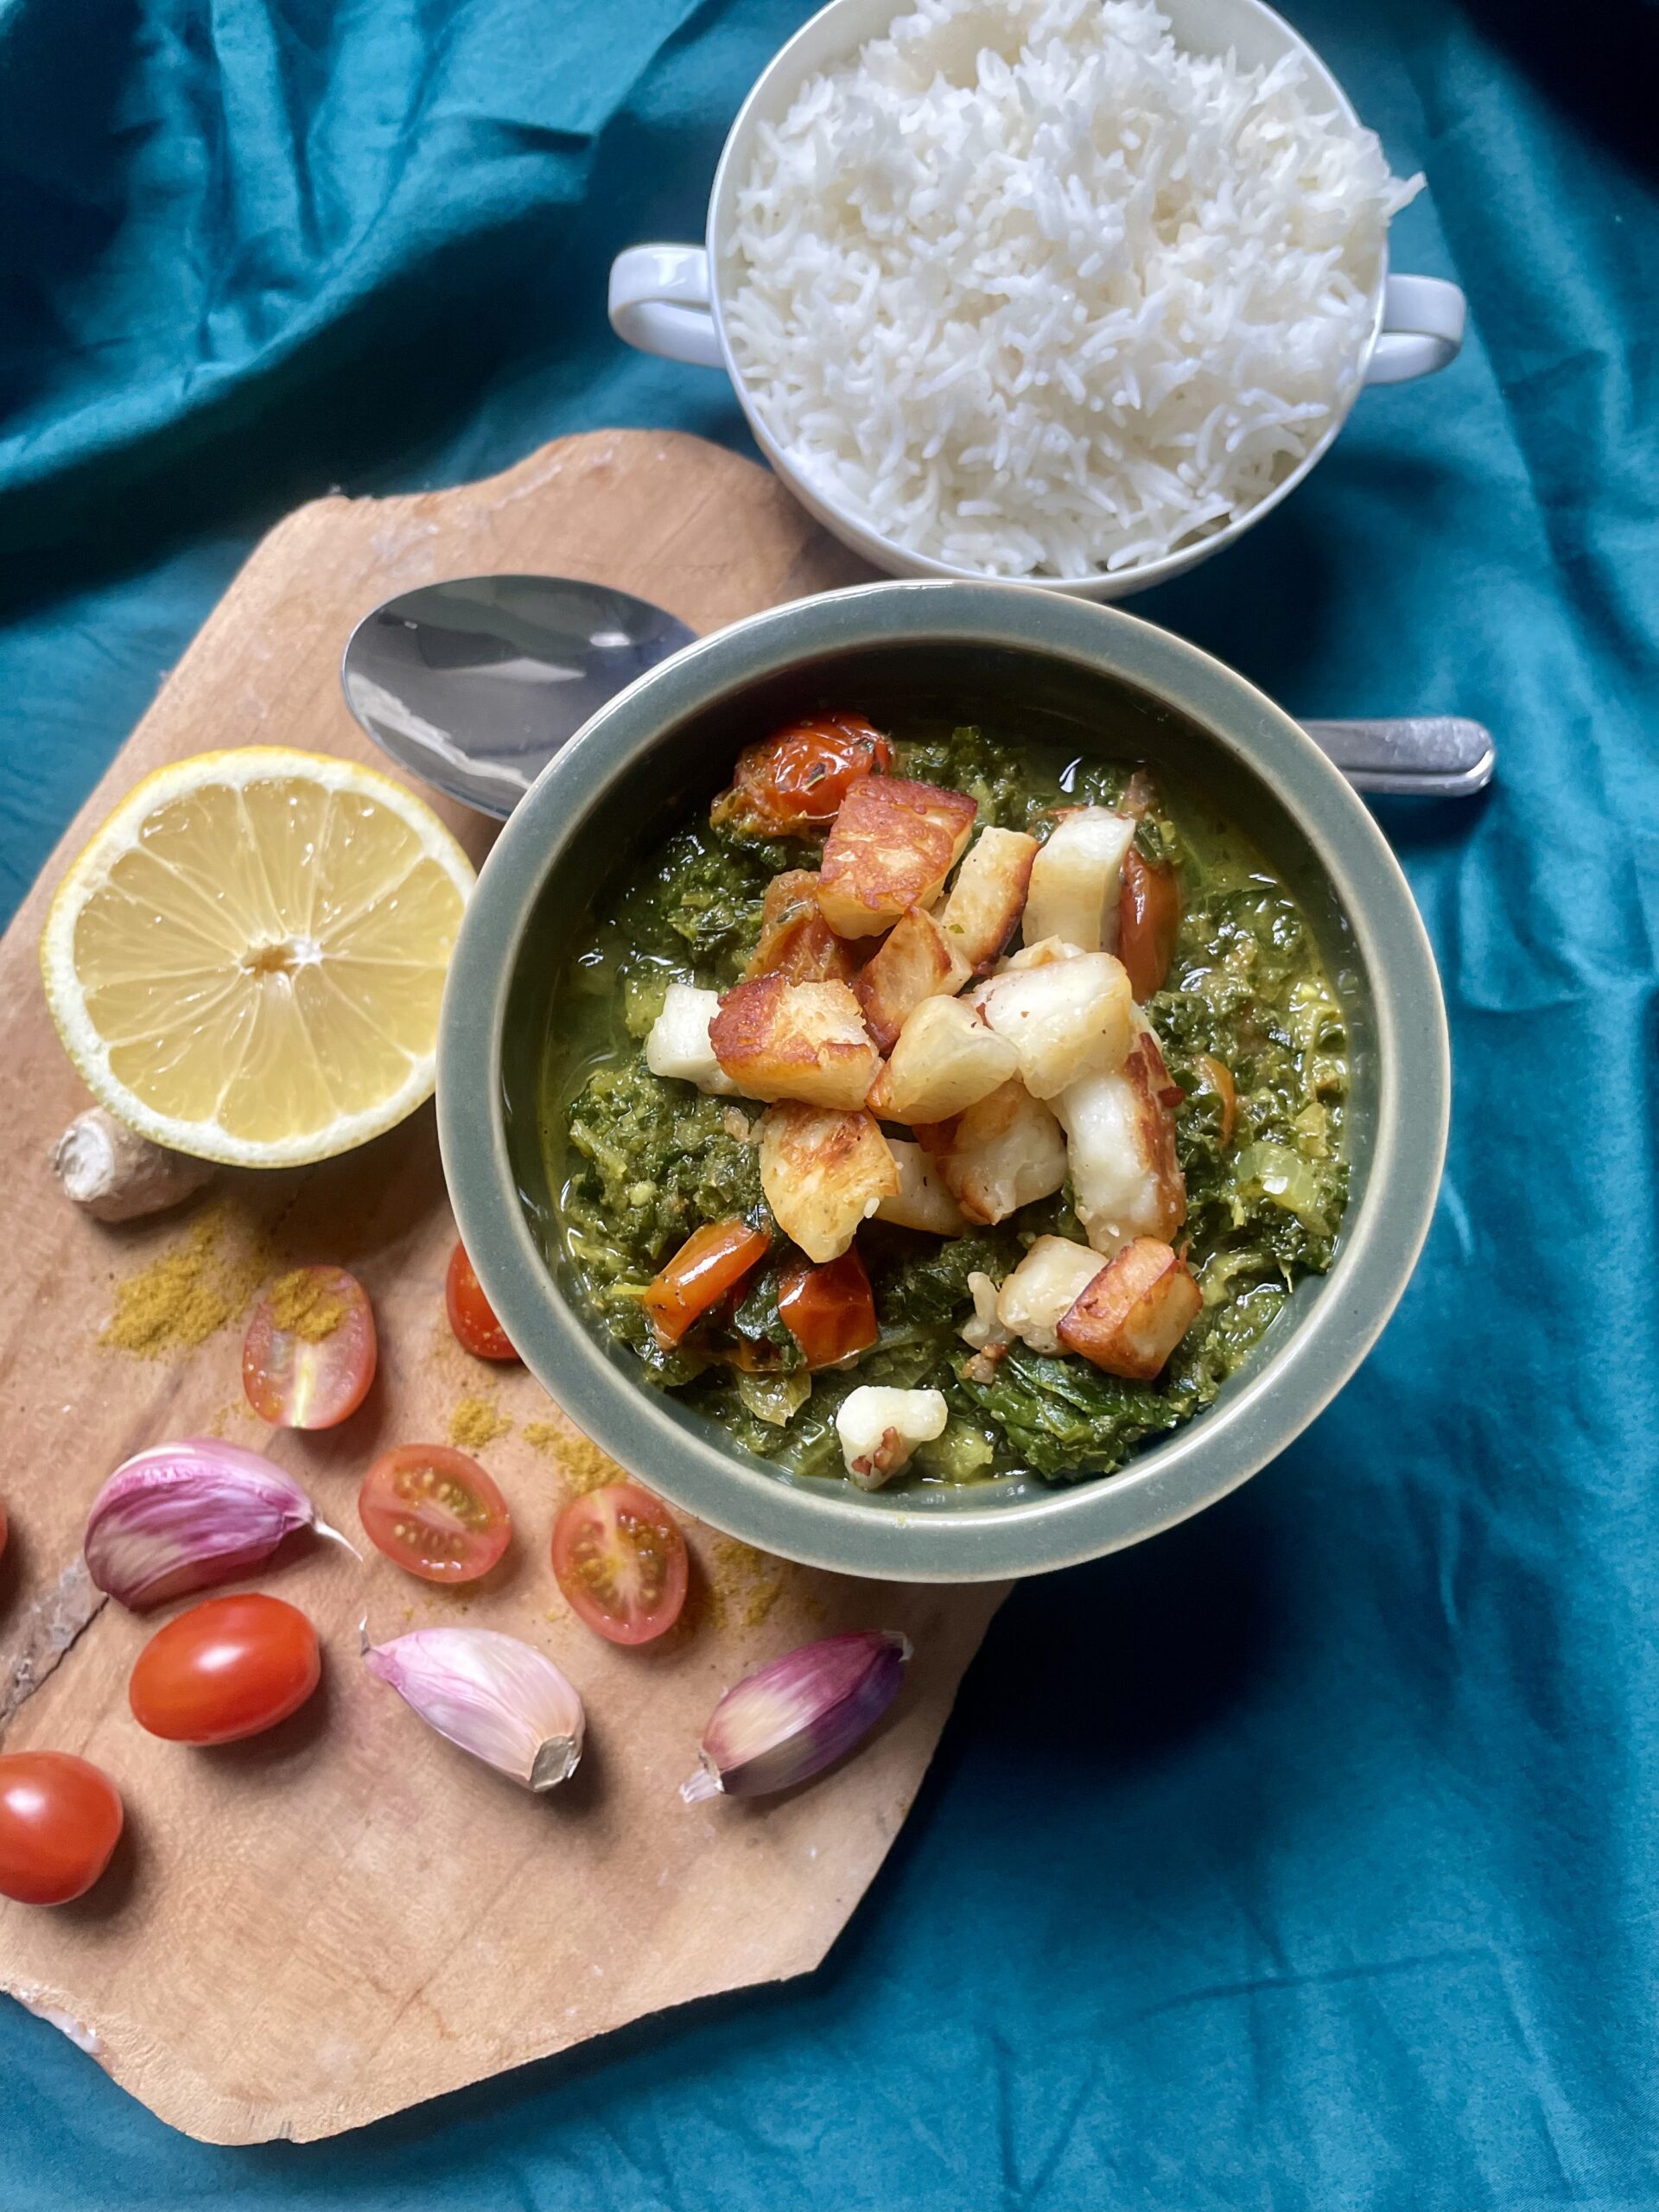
(1030,290)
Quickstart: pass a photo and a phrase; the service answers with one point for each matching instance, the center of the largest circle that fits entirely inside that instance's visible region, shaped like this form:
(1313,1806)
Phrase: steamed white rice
(1031,291)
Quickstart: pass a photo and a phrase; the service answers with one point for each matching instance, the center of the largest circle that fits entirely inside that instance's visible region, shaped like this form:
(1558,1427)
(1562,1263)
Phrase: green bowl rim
(827,1525)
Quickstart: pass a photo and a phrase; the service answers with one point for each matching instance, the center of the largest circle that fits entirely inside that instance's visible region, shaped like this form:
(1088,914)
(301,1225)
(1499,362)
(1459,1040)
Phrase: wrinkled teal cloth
(1306,1858)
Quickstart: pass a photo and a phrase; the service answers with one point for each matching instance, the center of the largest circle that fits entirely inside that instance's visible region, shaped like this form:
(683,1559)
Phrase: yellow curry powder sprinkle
(747,1584)
(584,1466)
(303,1303)
(474,1422)
(179,1300)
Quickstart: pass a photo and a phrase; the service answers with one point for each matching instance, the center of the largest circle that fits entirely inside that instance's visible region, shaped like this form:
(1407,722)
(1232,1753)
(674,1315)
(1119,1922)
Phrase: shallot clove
(797,1715)
(496,1697)
(181,1516)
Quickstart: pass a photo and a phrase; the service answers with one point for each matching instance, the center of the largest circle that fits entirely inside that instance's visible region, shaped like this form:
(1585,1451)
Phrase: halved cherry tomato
(435,1512)
(829,1311)
(1148,920)
(229,1667)
(471,1314)
(59,1820)
(712,1260)
(796,779)
(619,1558)
(309,1354)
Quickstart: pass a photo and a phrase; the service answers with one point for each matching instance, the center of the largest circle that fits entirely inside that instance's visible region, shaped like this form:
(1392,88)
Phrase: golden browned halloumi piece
(1066,1019)
(795,942)
(1134,1312)
(945,1060)
(677,1043)
(988,895)
(778,1040)
(922,1200)
(913,962)
(1042,954)
(1047,1284)
(823,1172)
(1075,877)
(892,845)
(1125,1169)
(999,1154)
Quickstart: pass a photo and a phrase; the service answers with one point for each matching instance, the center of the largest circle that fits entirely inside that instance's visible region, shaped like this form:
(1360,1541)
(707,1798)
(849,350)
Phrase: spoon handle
(1433,756)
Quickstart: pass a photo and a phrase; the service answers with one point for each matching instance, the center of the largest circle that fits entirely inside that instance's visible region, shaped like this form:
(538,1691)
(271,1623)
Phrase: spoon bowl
(474,684)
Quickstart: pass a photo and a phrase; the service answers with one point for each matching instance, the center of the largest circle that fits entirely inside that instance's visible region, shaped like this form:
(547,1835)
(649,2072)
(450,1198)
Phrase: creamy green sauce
(639,1161)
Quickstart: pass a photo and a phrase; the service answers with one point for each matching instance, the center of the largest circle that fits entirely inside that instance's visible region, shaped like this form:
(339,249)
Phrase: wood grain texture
(306,1931)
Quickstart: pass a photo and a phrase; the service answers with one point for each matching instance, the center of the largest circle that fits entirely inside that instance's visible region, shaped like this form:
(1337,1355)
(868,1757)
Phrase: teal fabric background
(1306,1858)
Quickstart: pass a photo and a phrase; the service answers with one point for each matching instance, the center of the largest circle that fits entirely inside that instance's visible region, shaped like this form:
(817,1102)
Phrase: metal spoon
(475,684)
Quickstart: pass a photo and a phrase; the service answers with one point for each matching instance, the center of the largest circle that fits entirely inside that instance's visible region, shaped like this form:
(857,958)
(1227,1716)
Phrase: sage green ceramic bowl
(1088,677)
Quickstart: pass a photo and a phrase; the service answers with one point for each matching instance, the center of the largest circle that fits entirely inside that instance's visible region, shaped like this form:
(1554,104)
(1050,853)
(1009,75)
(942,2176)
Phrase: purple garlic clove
(181,1516)
(795,1716)
(495,1697)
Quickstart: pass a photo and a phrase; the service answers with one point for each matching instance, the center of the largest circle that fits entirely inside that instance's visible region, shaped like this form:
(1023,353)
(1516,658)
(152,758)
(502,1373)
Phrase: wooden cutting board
(336,1920)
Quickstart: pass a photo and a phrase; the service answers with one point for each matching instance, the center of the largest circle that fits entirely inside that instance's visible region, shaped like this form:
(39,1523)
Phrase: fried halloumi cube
(823,1171)
(1043,954)
(913,962)
(677,1043)
(988,895)
(880,1428)
(999,1154)
(1066,1019)
(795,942)
(1125,1171)
(945,1060)
(922,1200)
(1047,1284)
(1075,877)
(778,1040)
(892,845)
(1134,1312)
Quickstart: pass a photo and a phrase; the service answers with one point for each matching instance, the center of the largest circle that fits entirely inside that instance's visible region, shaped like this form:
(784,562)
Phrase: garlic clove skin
(182,1516)
(492,1694)
(798,1714)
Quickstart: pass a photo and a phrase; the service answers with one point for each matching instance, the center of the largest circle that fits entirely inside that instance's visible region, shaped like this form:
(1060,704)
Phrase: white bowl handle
(1422,329)
(660,302)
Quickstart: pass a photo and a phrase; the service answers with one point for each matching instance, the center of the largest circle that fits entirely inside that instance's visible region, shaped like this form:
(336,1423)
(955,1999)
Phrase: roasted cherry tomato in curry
(471,1314)
(711,1263)
(829,1311)
(1148,923)
(435,1512)
(619,1558)
(794,781)
(229,1667)
(59,1819)
(309,1355)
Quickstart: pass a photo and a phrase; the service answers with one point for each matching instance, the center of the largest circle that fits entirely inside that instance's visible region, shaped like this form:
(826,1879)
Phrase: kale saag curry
(1108,1074)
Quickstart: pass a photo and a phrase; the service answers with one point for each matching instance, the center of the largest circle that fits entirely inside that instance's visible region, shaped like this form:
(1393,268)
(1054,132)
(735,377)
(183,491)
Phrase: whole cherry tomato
(711,1262)
(435,1512)
(59,1820)
(829,1311)
(229,1667)
(1148,921)
(795,781)
(471,1314)
(309,1355)
(621,1560)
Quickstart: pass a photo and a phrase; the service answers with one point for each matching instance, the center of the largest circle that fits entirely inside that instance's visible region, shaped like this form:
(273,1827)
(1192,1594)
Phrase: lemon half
(246,962)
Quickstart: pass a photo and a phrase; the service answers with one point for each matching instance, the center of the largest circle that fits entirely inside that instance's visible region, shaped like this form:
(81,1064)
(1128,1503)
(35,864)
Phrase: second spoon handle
(1434,756)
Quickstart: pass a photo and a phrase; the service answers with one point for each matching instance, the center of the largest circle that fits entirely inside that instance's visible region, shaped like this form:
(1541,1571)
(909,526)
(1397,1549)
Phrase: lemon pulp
(247,961)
